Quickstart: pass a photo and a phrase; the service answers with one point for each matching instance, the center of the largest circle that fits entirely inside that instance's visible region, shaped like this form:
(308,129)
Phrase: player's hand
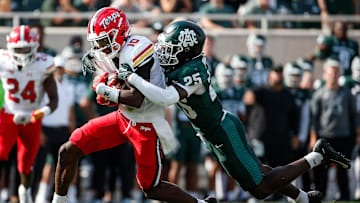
(102,101)
(22,119)
(124,72)
(99,79)
(87,62)
(39,114)
(36,115)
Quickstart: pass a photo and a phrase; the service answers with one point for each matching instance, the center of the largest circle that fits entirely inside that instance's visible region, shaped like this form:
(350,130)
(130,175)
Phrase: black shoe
(315,196)
(211,200)
(330,155)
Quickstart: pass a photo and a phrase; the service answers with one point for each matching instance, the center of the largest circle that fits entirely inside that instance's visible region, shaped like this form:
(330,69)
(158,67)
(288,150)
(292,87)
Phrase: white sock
(314,159)
(42,192)
(302,197)
(200,201)
(4,194)
(24,194)
(59,199)
(72,194)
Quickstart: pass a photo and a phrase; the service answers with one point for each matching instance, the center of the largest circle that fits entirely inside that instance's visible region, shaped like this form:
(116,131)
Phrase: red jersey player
(26,75)
(138,120)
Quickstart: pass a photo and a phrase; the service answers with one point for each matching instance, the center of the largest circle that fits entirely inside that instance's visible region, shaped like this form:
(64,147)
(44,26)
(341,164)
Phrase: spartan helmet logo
(187,38)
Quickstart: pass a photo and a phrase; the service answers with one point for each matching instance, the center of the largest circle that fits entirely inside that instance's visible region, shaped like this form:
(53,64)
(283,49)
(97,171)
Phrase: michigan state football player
(180,53)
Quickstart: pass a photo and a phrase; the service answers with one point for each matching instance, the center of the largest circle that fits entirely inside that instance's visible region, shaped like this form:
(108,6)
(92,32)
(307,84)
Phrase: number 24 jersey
(24,89)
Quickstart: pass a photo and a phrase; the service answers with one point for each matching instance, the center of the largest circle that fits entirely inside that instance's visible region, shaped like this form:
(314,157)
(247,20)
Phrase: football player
(259,64)
(26,75)
(180,53)
(139,121)
(338,46)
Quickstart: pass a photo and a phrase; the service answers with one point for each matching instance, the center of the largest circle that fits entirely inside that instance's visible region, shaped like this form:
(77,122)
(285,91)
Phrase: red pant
(27,138)
(114,129)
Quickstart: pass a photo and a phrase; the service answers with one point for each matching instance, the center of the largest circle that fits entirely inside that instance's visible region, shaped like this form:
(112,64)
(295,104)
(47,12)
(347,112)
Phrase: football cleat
(315,196)
(330,155)
(211,200)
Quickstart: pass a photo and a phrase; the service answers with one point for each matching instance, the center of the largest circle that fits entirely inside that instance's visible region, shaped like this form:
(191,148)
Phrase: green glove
(124,72)
(87,63)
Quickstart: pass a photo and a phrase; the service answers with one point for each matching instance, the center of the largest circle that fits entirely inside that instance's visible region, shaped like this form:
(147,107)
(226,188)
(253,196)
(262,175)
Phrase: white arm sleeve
(156,94)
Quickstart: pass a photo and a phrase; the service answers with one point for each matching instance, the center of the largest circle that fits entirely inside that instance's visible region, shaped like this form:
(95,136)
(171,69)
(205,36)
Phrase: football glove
(87,63)
(124,72)
(38,114)
(99,79)
(22,119)
(103,101)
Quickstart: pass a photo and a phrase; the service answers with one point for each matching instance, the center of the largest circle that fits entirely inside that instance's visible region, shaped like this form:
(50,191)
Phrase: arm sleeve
(156,94)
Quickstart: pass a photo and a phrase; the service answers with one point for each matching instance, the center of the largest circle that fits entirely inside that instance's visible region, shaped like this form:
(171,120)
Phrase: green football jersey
(259,70)
(203,110)
(2,93)
(300,96)
(344,51)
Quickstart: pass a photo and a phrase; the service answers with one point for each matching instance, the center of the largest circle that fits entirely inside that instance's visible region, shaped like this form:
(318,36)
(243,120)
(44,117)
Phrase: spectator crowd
(283,108)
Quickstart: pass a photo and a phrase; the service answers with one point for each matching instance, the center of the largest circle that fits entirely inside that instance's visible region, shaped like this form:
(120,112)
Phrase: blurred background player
(57,128)
(292,78)
(27,75)
(338,46)
(259,64)
(188,156)
(335,119)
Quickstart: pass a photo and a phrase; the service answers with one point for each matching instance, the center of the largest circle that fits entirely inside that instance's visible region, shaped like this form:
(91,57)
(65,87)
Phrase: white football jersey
(24,88)
(137,51)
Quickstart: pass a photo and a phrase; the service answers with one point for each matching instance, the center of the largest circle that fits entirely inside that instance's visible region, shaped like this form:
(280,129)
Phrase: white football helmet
(224,76)
(240,66)
(22,44)
(292,75)
(256,45)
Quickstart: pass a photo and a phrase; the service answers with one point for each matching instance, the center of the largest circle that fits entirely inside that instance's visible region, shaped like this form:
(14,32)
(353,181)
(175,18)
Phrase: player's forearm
(51,90)
(156,94)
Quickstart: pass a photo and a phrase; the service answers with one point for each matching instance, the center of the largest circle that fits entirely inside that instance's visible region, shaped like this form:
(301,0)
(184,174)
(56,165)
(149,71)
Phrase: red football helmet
(108,29)
(22,44)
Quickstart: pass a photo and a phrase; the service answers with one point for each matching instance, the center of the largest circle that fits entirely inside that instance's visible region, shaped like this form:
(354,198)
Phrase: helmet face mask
(22,44)
(167,52)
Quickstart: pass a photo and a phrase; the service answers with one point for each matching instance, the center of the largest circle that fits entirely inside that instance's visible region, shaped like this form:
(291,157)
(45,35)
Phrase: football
(115,82)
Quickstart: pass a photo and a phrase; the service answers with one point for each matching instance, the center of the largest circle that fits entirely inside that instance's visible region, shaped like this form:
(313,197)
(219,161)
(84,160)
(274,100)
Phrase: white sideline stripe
(158,175)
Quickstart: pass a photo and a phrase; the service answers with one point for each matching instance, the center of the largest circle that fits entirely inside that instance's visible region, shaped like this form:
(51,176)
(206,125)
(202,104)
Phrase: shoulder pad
(4,54)
(194,72)
(137,51)
(46,61)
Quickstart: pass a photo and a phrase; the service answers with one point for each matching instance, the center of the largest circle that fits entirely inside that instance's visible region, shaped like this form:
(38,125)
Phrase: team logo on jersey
(106,21)
(187,38)
(144,128)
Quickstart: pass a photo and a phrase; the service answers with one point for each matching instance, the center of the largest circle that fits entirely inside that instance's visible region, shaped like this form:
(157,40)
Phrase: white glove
(21,119)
